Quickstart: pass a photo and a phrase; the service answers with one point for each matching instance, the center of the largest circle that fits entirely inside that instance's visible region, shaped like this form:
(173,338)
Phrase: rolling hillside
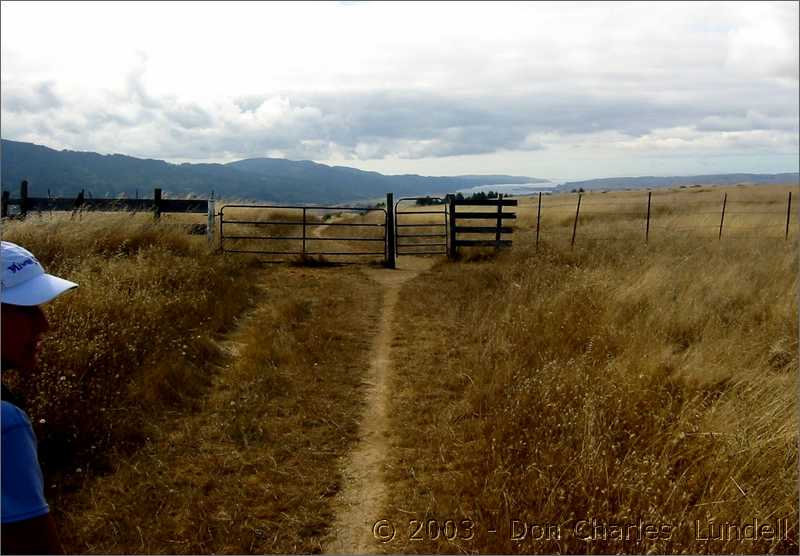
(65,173)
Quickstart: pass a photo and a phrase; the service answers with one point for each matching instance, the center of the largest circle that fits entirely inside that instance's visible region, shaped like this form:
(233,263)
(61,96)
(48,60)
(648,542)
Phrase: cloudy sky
(551,90)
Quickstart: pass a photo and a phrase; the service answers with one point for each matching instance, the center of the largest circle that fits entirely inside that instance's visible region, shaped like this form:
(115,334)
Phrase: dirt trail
(363,491)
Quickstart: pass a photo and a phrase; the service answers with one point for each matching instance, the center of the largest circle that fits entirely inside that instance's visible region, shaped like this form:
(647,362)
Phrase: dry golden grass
(674,213)
(153,439)
(616,381)
(134,340)
(255,468)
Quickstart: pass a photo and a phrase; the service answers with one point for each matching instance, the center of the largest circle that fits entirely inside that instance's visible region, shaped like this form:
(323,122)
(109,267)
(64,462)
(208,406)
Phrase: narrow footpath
(363,490)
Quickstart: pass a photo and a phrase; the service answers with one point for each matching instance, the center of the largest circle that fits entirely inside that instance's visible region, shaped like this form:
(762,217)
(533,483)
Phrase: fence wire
(729,213)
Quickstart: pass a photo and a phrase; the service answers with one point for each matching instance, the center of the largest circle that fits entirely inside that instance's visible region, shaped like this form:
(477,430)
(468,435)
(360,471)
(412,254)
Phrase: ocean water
(513,188)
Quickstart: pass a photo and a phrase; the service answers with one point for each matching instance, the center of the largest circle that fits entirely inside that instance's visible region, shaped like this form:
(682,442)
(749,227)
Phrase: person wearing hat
(27,527)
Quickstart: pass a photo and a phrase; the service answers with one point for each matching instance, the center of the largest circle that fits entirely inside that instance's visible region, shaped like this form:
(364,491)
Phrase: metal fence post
(788,214)
(221,230)
(210,223)
(23,199)
(722,218)
(538,219)
(575,224)
(390,236)
(647,228)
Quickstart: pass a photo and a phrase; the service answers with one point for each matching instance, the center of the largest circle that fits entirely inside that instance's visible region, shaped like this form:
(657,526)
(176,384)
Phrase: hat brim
(36,291)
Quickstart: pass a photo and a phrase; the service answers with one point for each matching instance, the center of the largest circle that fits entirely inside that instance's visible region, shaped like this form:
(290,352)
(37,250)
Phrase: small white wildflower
(42,421)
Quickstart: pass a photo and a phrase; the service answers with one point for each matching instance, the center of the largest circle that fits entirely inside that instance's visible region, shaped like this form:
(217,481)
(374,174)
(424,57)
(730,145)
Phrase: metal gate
(285,233)
(425,238)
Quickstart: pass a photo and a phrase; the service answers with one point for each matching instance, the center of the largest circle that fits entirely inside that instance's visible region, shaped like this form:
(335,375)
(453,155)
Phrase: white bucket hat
(24,281)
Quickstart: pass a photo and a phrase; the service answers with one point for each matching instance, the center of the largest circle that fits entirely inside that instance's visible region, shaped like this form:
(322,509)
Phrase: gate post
(499,224)
(210,223)
(390,236)
(304,232)
(157,203)
(23,199)
(453,253)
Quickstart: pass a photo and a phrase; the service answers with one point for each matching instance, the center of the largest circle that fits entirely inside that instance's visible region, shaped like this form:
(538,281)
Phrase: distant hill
(674,181)
(65,173)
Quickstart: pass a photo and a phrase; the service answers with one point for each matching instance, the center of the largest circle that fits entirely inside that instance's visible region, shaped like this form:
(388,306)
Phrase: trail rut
(364,491)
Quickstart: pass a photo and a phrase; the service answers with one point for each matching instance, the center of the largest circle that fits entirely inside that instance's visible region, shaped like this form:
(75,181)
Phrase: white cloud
(398,87)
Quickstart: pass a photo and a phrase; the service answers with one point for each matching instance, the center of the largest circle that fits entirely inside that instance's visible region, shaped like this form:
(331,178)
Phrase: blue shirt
(22,488)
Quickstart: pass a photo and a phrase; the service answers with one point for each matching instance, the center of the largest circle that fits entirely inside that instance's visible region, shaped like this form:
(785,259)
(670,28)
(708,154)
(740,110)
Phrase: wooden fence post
(499,221)
(453,254)
(722,218)
(23,199)
(4,204)
(390,237)
(788,214)
(647,228)
(538,219)
(575,225)
(157,203)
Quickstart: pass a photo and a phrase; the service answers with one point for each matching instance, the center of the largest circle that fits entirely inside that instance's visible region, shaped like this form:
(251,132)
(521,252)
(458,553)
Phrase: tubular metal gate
(293,237)
(434,243)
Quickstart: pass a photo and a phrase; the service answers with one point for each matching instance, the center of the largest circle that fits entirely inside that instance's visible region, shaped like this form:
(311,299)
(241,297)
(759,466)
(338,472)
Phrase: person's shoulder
(12,416)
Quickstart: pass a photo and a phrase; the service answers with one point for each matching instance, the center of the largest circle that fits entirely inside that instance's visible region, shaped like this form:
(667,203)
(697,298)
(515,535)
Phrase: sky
(549,90)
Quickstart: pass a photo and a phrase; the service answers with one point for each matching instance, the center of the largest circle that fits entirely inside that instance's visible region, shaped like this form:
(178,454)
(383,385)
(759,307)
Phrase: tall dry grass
(616,382)
(255,469)
(157,437)
(132,343)
(750,213)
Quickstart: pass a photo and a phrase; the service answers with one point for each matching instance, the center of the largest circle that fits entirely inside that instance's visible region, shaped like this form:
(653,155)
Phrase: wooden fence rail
(157,205)
(495,228)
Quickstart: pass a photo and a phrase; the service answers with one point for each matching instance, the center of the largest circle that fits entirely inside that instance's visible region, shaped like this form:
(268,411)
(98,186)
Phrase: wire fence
(652,217)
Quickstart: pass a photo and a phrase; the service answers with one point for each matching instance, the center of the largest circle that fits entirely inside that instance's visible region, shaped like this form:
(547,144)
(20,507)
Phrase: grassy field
(255,468)
(190,402)
(172,367)
(549,397)
(134,339)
